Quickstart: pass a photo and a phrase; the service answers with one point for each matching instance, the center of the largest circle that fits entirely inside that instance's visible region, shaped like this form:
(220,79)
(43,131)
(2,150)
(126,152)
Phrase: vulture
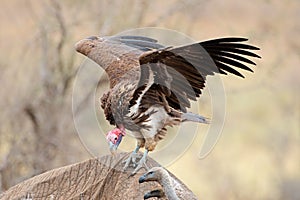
(151,85)
(171,188)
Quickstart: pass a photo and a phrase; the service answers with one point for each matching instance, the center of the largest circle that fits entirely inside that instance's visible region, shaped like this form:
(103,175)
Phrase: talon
(130,175)
(141,164)
(131,159)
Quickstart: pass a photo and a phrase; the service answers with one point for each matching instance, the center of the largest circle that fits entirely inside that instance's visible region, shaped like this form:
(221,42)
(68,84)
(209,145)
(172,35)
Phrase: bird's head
(154,174)
(114,138)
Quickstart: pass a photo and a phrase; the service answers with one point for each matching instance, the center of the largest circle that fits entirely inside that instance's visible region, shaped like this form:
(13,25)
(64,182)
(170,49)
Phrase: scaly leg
(131,158)
(150,144)
(142,163)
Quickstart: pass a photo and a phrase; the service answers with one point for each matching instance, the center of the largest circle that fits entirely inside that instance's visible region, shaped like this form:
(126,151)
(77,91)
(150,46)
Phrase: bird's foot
(131,160)
(141,164)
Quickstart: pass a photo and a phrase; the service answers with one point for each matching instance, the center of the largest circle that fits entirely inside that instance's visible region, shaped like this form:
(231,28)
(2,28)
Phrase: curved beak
(142,179)
(154,193)
(112,147)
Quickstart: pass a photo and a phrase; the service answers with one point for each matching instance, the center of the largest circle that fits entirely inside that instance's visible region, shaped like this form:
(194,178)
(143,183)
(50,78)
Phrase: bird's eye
(116,138)
(150,172)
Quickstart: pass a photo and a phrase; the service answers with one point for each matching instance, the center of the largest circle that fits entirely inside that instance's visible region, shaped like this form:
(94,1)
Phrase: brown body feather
(151,86)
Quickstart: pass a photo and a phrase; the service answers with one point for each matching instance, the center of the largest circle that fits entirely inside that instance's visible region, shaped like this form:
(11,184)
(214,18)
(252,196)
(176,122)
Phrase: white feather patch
(156,121)
(134,108)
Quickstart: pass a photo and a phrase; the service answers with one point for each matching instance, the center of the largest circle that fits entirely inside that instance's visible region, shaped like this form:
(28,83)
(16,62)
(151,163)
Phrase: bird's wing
(125,74)
(138,42)
(180,72)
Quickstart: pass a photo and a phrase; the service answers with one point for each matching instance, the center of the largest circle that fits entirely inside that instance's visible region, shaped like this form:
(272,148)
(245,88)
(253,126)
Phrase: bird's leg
(150,144)
(142,163)
(131,158)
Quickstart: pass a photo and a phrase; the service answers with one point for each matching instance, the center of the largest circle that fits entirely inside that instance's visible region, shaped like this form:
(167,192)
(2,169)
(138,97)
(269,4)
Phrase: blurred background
(258,155)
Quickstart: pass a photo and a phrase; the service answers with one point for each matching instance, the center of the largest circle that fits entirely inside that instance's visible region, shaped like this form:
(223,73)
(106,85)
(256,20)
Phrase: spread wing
(137,42)
(128,47)
(179,73)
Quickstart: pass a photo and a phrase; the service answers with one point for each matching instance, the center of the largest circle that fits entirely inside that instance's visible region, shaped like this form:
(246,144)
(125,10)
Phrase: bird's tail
(192,117)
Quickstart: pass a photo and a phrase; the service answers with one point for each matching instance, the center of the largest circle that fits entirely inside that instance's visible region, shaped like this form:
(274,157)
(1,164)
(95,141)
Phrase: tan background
(258,155)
